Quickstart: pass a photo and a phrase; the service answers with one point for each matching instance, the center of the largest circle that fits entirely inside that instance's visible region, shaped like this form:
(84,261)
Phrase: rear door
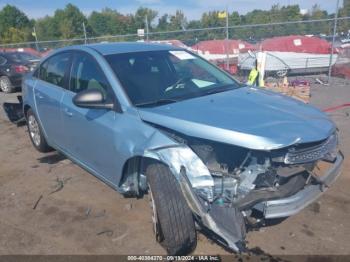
(48,93)
(90,133)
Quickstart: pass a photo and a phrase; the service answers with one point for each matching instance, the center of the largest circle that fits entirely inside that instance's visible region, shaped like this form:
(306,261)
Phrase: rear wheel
(172,219)
(36,134)
(6,85)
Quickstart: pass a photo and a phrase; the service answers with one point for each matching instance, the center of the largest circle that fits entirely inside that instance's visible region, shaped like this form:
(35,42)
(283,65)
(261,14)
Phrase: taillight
(20,69)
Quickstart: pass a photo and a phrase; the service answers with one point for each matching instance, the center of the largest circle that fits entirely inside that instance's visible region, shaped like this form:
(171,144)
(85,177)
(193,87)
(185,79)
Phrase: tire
(35,133)
(6,85)
(173,220)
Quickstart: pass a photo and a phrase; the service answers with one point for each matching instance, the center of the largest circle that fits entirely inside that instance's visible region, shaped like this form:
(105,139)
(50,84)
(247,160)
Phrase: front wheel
(173,221)
(36,134)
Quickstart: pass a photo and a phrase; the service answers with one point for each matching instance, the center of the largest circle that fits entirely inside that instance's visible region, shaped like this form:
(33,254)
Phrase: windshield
(159,77)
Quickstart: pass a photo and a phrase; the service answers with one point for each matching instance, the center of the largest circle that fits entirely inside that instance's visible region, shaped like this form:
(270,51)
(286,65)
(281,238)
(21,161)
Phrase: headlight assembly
(196,171)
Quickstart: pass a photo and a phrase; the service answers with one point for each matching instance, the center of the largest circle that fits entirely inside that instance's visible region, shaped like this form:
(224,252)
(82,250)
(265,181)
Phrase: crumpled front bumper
(291,205)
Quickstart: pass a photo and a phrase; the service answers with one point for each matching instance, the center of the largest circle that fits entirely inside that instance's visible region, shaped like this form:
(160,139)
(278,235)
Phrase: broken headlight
(196,172)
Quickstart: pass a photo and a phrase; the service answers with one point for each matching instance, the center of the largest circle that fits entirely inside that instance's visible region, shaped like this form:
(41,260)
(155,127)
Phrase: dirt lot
(88,217)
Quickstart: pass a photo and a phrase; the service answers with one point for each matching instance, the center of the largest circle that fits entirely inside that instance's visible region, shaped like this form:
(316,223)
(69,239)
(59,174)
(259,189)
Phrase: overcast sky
(192,8)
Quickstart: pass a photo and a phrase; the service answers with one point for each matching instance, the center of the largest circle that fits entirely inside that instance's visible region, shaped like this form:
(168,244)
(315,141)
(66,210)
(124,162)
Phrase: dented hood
(246,117)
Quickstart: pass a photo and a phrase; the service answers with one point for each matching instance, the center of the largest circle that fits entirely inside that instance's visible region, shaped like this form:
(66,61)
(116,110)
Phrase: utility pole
(36,39)
(333,40)
(227,43)
(147,28)
(85,37)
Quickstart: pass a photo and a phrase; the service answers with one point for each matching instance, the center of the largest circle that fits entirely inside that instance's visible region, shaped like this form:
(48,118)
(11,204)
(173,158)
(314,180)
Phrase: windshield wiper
(218,90)
(159,102)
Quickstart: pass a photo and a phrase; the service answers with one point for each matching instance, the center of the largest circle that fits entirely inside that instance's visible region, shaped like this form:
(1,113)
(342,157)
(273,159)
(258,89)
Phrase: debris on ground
(60,184)
(128,206)
(88,211)
(108,233)
(101,214)
(120,237)
(319,81)
(37,202)
(297,88)
(334,108)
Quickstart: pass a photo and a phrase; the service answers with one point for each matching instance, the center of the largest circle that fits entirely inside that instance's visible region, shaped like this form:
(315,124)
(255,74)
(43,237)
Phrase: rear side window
(54,69)
(87,74)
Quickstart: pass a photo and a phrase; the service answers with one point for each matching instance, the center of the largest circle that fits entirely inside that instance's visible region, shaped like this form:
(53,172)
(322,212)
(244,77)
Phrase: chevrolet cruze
(211,154)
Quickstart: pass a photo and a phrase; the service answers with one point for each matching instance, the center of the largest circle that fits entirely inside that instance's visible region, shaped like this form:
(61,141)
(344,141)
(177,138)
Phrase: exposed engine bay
(226,186)
(239,173)
(244,177)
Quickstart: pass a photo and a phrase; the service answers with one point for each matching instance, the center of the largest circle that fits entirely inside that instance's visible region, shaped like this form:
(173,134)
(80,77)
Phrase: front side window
(167,76)
(54,69)
(86,74)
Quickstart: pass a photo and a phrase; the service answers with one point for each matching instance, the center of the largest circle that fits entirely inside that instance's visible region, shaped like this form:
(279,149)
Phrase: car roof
(129,47)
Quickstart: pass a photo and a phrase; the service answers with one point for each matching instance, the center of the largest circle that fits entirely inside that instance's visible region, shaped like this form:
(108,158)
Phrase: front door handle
(40,96)
(68,112)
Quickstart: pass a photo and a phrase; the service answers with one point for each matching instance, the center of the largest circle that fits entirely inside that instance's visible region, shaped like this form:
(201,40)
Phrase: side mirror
(91,98)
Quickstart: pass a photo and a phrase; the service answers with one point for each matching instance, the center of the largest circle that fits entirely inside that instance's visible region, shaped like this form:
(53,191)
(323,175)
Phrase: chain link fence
(238,53)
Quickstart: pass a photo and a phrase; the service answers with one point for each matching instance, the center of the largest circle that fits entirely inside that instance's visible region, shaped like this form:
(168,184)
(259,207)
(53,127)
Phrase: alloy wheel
(34,130)
(4,85)
(155,222)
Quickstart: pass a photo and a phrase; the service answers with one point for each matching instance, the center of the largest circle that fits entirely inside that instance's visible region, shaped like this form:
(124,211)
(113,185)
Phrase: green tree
(344,25)
(318,27)
(14,35)
(139,19)
(69,22)
(47,28)
(211,19)
(178,21)
(109,22)
(163,23)
(12,22)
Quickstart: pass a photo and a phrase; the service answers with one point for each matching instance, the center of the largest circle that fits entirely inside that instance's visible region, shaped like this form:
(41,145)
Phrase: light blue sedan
(211,153)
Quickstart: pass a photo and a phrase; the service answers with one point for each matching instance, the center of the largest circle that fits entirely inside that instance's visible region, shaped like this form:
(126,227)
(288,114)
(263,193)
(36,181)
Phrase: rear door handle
(68,112)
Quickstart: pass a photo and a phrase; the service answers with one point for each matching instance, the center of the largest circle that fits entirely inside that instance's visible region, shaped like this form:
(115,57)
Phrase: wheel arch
(133,174)
(26,107)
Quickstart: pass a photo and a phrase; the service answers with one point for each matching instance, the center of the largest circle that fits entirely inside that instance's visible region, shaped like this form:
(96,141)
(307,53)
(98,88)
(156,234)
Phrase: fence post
(147,28)
(227,42)
(85,37)
(333,40)
(36,39)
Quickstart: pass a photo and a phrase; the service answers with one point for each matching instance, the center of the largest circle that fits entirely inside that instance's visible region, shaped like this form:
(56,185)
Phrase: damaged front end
(223,184)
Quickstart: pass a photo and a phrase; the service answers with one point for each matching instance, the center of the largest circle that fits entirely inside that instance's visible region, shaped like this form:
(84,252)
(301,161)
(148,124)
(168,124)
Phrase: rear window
(19,57)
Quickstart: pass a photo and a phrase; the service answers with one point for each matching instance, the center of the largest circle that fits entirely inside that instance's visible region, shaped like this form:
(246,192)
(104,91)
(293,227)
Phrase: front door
(90,133)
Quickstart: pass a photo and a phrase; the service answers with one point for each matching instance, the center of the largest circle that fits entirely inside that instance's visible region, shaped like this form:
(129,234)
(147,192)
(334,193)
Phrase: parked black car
(13,65)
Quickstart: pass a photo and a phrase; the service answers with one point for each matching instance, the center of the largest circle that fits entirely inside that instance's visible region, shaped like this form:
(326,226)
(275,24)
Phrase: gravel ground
(88,217)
